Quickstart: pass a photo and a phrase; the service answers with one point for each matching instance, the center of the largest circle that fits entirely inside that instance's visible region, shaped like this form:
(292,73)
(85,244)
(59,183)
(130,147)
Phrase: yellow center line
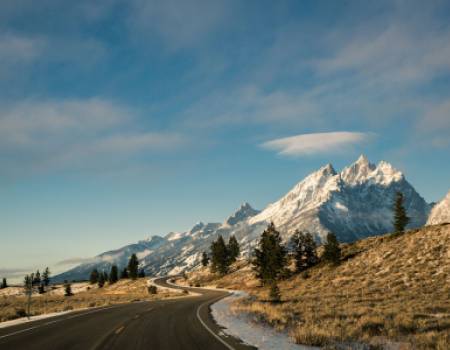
(120,329)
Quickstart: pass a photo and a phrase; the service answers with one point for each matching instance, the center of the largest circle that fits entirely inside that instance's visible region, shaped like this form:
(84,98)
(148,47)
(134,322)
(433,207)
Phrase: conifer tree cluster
(223,255)
(34,281)
(304,248)
(131,271)
(270,256)
(4,284)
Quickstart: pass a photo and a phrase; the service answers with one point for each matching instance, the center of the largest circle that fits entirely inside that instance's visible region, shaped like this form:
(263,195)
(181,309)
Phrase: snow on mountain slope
(243,213)
(441,212)
(355,203)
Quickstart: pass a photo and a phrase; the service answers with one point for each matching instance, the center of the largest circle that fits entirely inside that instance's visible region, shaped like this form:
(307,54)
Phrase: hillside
(354,203)
(385,290)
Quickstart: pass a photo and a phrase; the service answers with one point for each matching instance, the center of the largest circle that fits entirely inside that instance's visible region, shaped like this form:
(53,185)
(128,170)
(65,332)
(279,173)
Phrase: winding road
(172,324)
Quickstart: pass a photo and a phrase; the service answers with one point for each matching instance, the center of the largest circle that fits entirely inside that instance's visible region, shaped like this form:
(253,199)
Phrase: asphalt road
(183,323)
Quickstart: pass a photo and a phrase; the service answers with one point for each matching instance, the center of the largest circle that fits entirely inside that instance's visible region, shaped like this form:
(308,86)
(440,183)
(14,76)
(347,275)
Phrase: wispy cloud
(75,261)
(308,144)
(178,23)
(73,133)
(14,273)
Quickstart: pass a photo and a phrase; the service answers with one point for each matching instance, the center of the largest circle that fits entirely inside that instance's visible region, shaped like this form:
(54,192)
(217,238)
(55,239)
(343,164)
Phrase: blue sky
(123,119)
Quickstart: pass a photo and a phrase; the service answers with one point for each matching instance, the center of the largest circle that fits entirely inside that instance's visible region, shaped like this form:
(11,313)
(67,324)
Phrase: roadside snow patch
(264,338)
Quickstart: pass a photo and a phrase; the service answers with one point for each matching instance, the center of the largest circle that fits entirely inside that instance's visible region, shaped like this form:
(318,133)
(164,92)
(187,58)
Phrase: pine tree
(46,277)
(400,217)
(133,265)
(205,259)
(270,256)
(219,256)
(304,248)
(141,273)
(41,288)
(113,275)
(105,276)
(37,278)
(101,280)
(124,273)
(28,284)
(233,249)
(4,284)
(274,293)
(332,250)
(67,289)
(94,276)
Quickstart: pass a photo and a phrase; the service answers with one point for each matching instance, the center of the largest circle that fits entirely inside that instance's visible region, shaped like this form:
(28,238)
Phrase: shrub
(152,289)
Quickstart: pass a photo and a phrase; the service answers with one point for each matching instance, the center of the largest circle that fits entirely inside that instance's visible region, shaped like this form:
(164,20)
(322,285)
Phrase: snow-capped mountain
(441,212)
(354,203)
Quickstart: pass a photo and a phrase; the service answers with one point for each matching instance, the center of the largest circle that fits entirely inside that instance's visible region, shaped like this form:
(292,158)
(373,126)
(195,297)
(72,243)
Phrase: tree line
(37,281)
(131,271)
(271,257)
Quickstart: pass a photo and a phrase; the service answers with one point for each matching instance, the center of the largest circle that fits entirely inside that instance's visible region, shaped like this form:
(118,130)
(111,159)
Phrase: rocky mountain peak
(244,212)
(358,171)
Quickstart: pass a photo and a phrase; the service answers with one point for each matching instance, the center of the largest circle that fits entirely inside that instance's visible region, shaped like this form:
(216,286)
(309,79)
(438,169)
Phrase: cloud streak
(76,133)
(309,144)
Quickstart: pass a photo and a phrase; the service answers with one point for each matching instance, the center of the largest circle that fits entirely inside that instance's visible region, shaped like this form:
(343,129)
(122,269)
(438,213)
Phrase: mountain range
(353,203)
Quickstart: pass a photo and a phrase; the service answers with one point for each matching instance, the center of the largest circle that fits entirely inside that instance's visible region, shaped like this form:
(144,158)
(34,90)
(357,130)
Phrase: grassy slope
(386,289)
(85,295)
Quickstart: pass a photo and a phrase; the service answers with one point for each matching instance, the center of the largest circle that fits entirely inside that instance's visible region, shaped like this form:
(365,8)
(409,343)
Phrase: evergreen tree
(41,288)
(205,259)
(46,277)
(4,284)
(133,265)
(67,289)
(94,276)
(101,280)
(332,250)
(113,275)
(141,273)
(400,217)
(233,249)
(219,256)
(124,273)
(270,256)
(37,278)
(28,284)
(105,276)
(304,248)
(274,293)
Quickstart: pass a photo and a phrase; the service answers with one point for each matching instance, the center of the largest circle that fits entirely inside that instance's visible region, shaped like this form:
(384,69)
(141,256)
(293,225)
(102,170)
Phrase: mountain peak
(359,171)
(197,227)
(245,211)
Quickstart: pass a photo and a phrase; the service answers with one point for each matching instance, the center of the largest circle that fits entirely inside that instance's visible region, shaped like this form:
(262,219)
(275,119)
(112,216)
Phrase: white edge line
(228,346)
(210,330)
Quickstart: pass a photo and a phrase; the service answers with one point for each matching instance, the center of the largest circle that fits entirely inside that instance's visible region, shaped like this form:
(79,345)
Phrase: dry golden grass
(385,290)
(14,306)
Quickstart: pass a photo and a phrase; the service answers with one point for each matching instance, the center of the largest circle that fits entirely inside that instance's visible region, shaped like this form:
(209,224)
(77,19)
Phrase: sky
(124,119)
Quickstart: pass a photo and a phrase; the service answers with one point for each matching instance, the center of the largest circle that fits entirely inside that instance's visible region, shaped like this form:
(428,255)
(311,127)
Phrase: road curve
(173,324)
